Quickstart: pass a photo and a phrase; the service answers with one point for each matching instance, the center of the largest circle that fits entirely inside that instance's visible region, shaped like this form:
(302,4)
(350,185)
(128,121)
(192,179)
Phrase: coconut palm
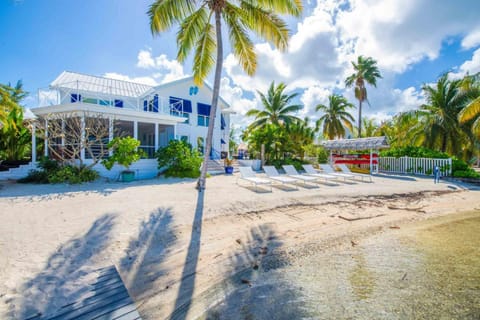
(366,71)
(336,117)
(201,30)
(471,86)
(277,108)
(438,126)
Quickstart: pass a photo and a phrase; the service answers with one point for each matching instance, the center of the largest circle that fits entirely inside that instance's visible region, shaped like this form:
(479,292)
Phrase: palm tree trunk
(201,183)
(359,118)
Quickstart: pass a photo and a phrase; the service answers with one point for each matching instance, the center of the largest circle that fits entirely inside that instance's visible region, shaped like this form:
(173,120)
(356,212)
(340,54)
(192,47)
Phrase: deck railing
(418,166)
(78,92)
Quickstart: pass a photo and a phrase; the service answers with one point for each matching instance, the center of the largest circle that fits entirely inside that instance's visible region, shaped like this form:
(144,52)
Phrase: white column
(34,143)
(82,140)
(45,151)
(63,134)
(110,132)
(135,129)
(371,162)
(175,132)
(156,137)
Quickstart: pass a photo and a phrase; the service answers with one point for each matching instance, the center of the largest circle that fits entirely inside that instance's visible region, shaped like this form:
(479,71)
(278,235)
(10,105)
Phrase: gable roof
(79,81)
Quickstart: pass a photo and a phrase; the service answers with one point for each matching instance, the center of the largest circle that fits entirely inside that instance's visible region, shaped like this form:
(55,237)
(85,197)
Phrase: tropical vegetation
(15,137)
(336,117)
(365,72)
(179,159)
(201,30)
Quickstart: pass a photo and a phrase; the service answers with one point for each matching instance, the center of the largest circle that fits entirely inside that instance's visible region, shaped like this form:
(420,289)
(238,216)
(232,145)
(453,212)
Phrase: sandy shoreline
(52,236)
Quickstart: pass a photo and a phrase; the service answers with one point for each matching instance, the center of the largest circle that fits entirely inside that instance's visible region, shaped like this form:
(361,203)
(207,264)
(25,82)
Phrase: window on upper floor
(180,108)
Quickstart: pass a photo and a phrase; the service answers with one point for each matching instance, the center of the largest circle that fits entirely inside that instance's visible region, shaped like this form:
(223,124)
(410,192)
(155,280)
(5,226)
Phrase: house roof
(84,82)
(357,144)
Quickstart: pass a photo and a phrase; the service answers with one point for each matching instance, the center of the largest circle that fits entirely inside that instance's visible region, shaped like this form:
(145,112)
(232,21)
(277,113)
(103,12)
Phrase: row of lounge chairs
(292,176)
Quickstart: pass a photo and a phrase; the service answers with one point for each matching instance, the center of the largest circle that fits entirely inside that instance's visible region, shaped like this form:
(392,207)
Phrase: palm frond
(165,13)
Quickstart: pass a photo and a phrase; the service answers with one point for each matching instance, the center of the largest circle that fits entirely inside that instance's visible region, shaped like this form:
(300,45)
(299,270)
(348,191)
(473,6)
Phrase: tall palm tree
(471,87)
(366,71)
(438,125)
(277,108)
(336,117)
(198,32)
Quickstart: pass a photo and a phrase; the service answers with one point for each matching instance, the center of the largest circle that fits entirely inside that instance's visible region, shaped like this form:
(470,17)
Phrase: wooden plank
(108,299)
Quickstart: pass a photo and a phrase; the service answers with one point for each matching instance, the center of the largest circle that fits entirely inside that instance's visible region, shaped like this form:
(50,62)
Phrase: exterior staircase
(216,166)
(17,173)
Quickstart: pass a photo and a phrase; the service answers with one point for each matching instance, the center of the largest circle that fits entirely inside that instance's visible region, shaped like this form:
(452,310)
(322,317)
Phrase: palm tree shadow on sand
(52,288)
(142,266)
(256,290)
(187,284)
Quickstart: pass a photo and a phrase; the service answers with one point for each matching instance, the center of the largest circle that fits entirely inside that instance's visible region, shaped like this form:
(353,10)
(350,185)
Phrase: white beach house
(153,115)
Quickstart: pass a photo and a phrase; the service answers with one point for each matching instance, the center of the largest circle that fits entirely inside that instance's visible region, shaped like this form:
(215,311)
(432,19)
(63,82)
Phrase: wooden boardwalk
(109,299)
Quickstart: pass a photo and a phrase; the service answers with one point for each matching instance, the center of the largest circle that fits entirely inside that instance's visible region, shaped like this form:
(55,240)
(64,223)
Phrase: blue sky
(414,41)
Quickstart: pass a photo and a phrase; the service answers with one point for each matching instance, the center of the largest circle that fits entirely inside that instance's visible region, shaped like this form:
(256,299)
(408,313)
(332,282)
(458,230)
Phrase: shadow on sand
(52,288)
(187,284)
(257,290)
(142,264)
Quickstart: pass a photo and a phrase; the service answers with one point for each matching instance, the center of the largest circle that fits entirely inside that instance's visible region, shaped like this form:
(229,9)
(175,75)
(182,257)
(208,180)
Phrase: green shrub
(414,152)
(179,160)
(35,176)
(466,174)
(297,163)
(124,152)
(52,172)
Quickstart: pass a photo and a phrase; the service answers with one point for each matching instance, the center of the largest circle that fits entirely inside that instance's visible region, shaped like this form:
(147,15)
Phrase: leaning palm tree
(471,87)
(336,117)
(277,107)
(366,71)
(201,30)
(438,125)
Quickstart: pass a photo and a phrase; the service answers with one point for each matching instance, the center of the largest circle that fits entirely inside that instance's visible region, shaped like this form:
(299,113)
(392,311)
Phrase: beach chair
(328,169)
(311,171)
(346,170)
(247,174)
(292,172)
(273,174)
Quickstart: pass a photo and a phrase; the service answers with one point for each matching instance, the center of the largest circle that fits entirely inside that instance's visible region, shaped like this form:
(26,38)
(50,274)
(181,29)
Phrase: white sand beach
(172,244)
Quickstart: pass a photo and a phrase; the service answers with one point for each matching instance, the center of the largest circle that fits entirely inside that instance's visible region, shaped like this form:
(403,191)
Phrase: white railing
(79,93)
(418,166)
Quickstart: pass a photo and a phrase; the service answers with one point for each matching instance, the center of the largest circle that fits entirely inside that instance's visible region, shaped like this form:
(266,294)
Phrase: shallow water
(430,270)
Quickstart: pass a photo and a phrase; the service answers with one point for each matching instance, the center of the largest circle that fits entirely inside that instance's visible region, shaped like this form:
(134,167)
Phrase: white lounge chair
(247,174)
(329,170)
(311,171)
(292,172)
(346,170)
(273,174)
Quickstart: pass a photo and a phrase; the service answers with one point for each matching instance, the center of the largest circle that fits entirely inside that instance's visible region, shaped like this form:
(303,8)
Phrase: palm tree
(198,32)
(371,128)
(300,135)
(277,108)
(366,71)
(438,125)
(471,87)
(336,117)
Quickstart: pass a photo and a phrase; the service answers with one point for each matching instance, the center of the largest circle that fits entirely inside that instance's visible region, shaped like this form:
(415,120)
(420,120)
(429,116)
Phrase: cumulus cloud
(165,70)
(471,66)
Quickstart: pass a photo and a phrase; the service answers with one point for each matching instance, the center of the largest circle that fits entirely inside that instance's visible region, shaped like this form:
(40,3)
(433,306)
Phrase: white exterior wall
(181,89)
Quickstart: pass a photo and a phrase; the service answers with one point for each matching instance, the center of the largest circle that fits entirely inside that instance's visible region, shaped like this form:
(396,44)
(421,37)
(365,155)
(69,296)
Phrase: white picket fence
(418,166)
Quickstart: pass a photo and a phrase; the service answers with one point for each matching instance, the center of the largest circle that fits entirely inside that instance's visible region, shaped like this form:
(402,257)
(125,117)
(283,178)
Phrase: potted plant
(124,152)
(228,166)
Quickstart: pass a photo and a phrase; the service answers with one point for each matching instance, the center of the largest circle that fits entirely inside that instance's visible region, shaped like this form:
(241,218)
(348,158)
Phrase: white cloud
(471,40)
(471,66)
(166,70)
